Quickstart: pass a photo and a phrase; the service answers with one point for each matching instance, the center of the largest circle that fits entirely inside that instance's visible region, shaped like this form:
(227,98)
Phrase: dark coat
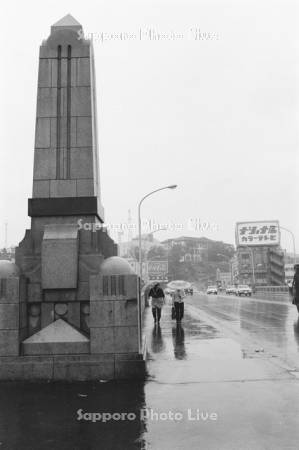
(156,293)
(295,289)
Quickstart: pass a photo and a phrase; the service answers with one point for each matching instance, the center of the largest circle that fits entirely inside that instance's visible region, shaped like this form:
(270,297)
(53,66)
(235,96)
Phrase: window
(105,285)
(245,256)
(113,285)
(2,287)
(121,285)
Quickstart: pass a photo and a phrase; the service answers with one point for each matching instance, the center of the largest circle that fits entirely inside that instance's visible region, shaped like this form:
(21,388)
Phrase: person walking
(295,287)
(178,301)
(158,297)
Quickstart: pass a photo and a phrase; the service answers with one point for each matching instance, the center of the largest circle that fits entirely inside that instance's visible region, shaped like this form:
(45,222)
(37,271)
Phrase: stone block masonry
(68,309)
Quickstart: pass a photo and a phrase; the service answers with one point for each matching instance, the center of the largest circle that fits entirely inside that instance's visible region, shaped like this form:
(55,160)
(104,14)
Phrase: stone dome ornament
(8,269)
(115,265)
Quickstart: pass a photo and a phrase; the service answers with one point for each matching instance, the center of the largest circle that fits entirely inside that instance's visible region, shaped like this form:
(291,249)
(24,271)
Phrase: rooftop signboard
(258,233)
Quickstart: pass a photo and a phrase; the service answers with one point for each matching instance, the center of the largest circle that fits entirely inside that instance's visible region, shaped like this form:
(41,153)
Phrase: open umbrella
(178,284)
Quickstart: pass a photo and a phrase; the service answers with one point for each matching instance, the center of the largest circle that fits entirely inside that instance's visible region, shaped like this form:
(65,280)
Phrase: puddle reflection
(157,342)
(178,338)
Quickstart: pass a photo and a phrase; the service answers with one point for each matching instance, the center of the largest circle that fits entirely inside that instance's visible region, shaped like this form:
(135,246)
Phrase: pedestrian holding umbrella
(178,303)
(158,299)
(179,284)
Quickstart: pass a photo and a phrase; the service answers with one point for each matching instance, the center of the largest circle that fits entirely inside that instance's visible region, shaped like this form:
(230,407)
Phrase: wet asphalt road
(269,326)
(225,379)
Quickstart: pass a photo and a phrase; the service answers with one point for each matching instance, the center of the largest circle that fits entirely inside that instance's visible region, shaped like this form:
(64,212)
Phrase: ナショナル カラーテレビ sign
(264,232)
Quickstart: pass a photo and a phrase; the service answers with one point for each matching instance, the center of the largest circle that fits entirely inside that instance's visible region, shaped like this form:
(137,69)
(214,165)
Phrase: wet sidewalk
(225,400)
(196,350)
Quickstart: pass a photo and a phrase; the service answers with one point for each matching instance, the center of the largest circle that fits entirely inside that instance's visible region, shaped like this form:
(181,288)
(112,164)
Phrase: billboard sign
(157,270)
(259,233)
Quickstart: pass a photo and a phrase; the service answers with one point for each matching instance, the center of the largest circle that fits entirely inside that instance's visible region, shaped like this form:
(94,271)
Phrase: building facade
(8,254)
(289,272)
(261,265)
(225,279)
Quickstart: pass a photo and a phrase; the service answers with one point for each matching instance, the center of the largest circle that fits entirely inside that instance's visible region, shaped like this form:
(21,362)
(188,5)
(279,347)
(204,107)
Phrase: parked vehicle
(212,290)
(231,290)
(189,291)
(244,289)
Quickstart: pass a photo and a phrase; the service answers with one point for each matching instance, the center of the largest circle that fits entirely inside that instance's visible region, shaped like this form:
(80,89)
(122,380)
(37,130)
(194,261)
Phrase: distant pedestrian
(178,302)
(295,287)
(158,299)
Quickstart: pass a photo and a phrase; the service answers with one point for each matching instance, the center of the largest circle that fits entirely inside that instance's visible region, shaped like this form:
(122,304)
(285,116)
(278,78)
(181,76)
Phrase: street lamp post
(293,239)
(172,186)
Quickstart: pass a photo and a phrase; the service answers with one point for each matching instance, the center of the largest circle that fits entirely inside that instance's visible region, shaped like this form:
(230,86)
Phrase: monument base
(110,346)
(72,368)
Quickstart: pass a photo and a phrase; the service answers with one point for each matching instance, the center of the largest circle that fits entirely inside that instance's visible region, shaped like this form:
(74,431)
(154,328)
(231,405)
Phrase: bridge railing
(273,289)
(278,293)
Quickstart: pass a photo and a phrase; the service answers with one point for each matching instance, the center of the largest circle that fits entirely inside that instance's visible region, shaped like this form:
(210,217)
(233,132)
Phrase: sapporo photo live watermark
(150,34)
(150,225)
(149,414)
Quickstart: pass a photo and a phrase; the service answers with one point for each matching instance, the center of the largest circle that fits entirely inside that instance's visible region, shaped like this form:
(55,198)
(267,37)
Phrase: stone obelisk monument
(70,303)
(66,177)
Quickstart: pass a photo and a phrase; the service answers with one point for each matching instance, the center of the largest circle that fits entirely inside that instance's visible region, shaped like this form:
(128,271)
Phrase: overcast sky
(218,117)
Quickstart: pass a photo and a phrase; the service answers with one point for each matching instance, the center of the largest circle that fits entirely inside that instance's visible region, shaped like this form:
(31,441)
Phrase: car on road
(189,291)
(244,289)
(212,290)
(231,290)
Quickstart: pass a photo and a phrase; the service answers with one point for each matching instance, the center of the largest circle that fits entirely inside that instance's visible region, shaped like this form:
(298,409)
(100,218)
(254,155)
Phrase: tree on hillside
(134,253)
(216,255)
(157,253)
(218,251)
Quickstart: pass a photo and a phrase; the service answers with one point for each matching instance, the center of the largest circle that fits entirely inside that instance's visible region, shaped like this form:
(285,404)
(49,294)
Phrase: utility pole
(294,243)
